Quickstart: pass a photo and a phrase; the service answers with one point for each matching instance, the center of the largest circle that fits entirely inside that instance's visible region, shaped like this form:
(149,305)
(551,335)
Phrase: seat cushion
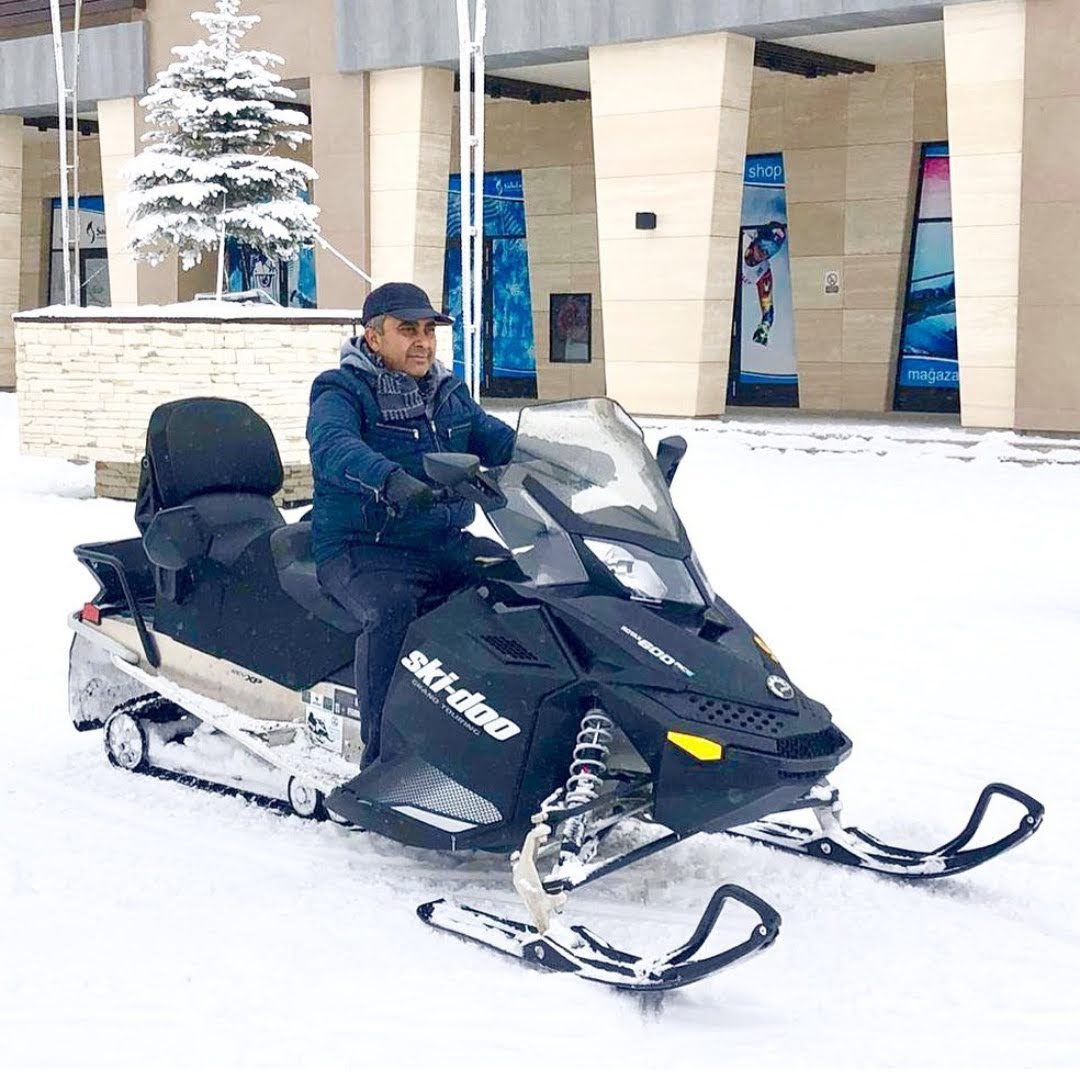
(291,548)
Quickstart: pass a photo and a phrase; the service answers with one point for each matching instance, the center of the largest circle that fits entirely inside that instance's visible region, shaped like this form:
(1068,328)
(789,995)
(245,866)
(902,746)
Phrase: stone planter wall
(88,383)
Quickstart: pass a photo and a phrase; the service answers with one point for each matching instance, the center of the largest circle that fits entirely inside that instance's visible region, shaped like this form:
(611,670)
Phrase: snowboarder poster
(763,338)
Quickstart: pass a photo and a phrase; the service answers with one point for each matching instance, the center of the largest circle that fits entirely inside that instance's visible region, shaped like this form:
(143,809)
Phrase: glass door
(94,275)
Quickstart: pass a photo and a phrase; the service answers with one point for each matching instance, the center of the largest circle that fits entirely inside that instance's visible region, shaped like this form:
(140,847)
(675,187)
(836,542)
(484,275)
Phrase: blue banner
(512,351)
(928,346)
(508,336)
(504,204)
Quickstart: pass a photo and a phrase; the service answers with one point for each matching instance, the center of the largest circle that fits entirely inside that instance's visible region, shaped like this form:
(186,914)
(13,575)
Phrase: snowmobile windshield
(591,457)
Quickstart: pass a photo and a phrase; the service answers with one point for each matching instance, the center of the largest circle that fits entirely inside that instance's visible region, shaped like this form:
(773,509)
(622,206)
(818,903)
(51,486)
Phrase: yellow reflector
(765,649)
(696,746)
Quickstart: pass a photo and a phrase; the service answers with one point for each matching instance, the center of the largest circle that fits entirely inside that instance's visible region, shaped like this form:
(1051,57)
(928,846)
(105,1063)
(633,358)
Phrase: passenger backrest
(219,456)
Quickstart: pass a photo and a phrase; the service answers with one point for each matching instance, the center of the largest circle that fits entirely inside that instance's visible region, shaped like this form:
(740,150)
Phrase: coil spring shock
(587,770)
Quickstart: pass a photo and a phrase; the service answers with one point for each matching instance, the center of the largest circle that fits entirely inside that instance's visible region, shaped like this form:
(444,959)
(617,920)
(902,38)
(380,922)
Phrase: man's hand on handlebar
(406,494)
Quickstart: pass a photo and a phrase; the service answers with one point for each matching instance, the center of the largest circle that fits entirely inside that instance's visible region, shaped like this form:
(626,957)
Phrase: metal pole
(61,94)
(322,241)
(465,215)
(478,196)
(76,213)
(221,250)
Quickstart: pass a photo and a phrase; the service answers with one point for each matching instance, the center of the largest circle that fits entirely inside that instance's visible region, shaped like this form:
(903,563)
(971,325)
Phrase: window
(927,373)
(571,328)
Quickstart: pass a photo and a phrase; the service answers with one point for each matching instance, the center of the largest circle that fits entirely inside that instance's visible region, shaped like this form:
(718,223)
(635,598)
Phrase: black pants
(386,588)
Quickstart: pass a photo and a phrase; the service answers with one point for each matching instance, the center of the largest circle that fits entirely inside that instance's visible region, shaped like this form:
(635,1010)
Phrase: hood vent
(511,651)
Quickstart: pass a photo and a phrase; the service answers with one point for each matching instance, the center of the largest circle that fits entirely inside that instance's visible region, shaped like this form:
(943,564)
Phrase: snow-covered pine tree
(215,120)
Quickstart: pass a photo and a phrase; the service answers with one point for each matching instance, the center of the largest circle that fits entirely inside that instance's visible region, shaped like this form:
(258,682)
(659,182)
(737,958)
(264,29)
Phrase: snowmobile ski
(549,943)
(575,950)
(852,846)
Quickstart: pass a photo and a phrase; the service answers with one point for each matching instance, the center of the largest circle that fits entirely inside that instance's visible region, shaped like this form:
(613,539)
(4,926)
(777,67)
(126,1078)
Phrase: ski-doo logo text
(470,704)
(655,650)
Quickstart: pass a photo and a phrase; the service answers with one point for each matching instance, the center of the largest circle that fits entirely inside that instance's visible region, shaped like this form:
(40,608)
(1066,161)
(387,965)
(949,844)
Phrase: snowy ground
(922,584)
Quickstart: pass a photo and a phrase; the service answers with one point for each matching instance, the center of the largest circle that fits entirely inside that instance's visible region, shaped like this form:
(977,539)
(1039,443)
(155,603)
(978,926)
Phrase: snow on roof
(194,310)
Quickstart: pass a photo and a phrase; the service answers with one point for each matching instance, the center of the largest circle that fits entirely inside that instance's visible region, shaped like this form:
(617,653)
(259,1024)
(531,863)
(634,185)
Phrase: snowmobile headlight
(648,576)
(765,649)
(697,746)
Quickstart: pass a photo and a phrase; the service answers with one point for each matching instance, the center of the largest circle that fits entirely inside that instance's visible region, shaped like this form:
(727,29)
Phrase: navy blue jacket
(353,451)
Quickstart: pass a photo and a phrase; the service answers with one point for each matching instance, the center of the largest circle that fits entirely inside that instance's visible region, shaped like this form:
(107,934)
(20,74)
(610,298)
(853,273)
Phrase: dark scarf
(400,396)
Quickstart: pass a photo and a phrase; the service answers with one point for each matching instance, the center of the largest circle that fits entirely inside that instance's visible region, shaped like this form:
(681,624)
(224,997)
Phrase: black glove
(406,494)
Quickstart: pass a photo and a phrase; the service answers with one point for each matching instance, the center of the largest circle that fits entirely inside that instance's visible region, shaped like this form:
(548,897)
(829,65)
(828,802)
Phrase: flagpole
(478,197)
(61,116)
(465,148)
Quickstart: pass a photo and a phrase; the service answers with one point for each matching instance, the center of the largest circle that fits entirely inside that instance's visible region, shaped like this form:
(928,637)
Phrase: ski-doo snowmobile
(589,681)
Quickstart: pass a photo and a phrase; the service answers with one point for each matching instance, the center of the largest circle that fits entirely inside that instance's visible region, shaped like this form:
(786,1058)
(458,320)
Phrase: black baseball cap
(402,300)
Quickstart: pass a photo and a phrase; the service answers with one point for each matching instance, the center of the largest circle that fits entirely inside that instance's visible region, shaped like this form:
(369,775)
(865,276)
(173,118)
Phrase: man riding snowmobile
(384,548)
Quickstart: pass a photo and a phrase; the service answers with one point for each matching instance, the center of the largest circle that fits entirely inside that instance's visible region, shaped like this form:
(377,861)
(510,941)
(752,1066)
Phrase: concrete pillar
(850,152)
(669,136)
(11,168)
(1047,365)
(410,141)
(130,282)
(986,145)
(879,202)
(34,253)
(339,127)
(808,120)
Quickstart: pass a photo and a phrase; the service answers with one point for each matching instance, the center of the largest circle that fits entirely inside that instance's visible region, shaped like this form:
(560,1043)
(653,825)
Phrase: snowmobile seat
(291,548)
(214,465)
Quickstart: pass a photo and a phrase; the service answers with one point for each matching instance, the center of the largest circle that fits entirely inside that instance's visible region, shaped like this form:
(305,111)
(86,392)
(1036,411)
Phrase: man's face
(404,346)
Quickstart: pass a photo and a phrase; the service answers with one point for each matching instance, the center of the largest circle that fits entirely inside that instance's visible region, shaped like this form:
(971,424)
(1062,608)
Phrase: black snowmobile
(591,681)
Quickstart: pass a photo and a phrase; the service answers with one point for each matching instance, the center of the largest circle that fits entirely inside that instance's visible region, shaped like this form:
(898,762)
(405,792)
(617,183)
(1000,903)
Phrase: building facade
(862,206)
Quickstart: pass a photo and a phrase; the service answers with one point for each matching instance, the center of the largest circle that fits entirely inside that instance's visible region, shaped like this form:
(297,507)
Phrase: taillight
(91,614)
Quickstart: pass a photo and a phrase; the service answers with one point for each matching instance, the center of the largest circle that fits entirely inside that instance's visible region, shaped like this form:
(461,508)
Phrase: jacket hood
(355,353)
